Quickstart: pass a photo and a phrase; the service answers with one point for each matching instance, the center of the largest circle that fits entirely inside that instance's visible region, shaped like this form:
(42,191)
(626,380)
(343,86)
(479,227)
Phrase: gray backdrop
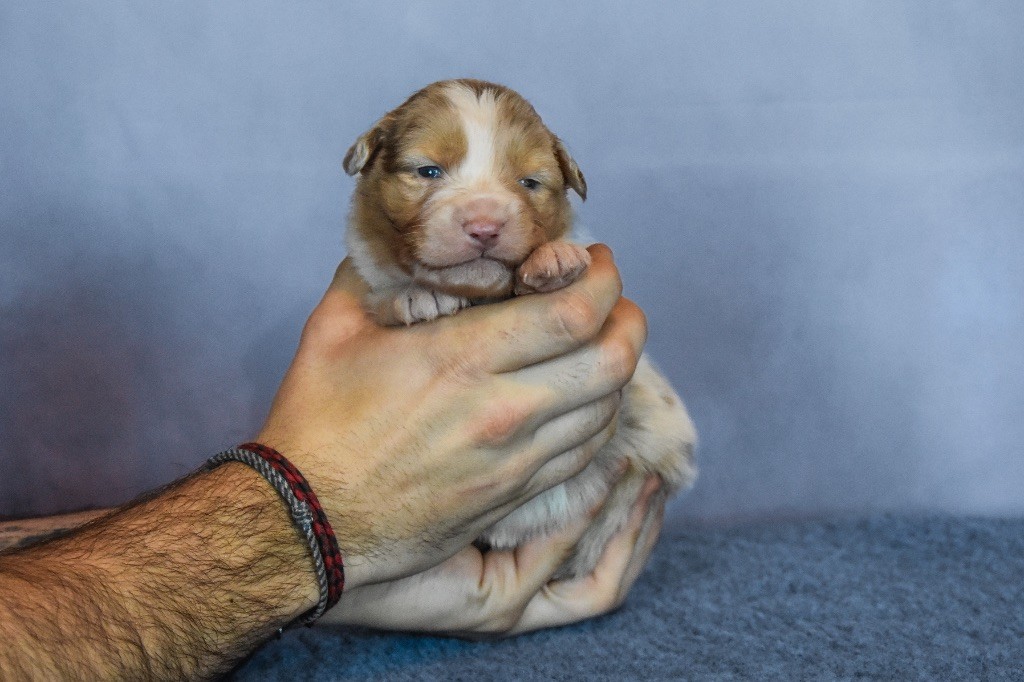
(819,205)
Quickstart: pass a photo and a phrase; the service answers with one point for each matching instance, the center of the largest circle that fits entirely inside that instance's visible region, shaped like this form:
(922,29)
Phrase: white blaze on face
(472,193)
(479,118)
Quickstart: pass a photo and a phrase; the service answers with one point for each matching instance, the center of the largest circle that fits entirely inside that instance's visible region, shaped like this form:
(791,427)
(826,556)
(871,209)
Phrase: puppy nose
(484,232)
(483,221)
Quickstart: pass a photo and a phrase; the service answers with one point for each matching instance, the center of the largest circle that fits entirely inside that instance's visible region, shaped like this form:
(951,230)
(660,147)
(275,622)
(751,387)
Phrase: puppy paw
(551,266)
(416,304)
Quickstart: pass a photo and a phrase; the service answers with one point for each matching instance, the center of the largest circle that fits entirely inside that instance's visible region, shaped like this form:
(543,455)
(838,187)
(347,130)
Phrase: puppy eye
(433,172)
(530,183)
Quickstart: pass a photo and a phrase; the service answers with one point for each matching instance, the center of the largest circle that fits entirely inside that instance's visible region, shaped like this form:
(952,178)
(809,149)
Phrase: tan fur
(431,246)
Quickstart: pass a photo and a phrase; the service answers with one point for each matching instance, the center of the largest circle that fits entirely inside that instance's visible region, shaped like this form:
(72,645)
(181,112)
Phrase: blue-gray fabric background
(819,205)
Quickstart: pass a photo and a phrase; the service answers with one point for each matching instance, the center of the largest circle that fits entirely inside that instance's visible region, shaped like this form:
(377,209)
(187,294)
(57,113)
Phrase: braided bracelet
(306,513)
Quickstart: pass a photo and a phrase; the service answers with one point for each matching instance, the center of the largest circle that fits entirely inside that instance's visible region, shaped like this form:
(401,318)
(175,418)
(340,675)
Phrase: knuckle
(601,257)
(617,281)
(637,315)
(499,423)
(576,316)
(620,357)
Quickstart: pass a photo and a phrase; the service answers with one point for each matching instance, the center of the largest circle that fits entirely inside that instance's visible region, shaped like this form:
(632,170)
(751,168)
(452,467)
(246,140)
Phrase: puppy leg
(412,304)
(551,266)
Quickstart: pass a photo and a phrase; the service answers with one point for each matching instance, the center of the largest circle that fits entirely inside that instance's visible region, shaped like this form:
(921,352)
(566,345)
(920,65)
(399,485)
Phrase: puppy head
(465,180)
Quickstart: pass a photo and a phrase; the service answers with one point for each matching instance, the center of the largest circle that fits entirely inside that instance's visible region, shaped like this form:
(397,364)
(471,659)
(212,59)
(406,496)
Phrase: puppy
(462,198)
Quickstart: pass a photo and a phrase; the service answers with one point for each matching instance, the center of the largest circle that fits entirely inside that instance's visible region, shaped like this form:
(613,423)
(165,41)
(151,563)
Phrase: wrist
(268,544)
(306,513)
(228,533)
(320,469)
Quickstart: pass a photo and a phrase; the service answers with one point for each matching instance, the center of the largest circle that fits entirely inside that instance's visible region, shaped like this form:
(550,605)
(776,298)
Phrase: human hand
(417,439)
(502,593)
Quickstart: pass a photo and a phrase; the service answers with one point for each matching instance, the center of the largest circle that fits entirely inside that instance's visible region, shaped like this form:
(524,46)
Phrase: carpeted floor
(889,598)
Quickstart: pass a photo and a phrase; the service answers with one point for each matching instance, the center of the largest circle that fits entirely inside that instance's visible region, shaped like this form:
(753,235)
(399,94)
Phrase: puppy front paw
(415,304)
(551,266)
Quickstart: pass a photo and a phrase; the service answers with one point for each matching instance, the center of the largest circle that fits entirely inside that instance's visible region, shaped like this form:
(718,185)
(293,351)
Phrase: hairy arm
(178,586)
(415,440)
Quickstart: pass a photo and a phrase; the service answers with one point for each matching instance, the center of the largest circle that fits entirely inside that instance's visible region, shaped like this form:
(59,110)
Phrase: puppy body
(462,199)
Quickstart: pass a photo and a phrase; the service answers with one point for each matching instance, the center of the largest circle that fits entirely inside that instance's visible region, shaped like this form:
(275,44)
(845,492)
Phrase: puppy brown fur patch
(392,203)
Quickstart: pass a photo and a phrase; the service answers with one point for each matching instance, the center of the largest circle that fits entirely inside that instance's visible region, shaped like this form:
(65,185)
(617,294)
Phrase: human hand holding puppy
(415,440)
(478,440)
(419,438)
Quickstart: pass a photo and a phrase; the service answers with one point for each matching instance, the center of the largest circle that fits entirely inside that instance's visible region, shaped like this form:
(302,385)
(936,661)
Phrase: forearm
(178,586)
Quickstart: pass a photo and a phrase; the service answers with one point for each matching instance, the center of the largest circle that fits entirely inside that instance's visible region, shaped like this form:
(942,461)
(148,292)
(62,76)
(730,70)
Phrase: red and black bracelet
(306,512)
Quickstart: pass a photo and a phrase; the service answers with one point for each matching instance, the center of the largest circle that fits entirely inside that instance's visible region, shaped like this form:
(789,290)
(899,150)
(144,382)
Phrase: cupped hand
(501,593)
(417,439)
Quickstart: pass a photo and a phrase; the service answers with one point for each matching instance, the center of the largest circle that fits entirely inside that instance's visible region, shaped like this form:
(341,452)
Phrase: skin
(500,593)
(497,403)
(415,441)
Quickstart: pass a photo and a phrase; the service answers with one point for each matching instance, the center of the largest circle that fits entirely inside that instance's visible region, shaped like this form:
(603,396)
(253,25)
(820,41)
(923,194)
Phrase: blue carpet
(888,598)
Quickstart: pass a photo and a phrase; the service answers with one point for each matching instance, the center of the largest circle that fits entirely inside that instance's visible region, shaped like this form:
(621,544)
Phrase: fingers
(501,593)
(649,532)
(592,371)
(532,564)
(570,601)
(584,430)
(572,399)
(627,553)
(531,329)
(561,403)
(515,578)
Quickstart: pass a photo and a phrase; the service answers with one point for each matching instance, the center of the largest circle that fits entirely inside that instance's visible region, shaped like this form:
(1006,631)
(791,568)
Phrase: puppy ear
(363,150)
(570,171)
